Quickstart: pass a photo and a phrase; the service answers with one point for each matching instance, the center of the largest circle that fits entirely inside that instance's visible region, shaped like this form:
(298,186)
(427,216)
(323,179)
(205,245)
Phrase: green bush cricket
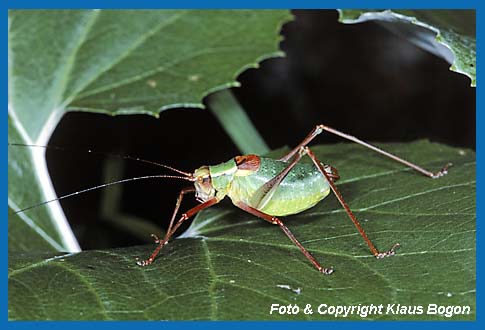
(266,188)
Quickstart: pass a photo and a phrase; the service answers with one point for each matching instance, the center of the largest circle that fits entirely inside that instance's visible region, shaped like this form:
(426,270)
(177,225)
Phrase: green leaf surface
(231,265)
(130,61)
(437,31)
(113,62)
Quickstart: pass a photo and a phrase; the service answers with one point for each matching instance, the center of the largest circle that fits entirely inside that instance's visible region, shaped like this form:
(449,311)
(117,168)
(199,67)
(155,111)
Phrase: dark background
(360,78)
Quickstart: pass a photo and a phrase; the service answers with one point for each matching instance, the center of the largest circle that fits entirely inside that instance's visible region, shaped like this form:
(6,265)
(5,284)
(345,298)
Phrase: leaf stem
(236,123)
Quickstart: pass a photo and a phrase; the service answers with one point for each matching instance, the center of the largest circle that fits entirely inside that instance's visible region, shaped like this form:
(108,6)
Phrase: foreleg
(169,234)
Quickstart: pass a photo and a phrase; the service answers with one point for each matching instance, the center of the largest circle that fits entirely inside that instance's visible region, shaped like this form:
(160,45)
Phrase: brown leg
(352,217)
(275,221)
(177,206)
(320,128)
(314,133)
(265,192)
(169,234)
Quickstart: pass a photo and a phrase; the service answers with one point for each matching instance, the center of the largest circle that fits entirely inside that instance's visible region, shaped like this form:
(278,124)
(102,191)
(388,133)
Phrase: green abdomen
(302,188)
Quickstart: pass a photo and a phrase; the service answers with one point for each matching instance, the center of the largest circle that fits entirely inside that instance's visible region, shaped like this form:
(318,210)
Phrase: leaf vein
(212,280)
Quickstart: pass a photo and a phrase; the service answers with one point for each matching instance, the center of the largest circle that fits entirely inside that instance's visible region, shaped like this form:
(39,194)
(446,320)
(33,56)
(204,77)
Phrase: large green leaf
(114,62)
(437,31)
(230,265)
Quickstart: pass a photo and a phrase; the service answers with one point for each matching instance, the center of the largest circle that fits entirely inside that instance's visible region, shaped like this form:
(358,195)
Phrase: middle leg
(275,221)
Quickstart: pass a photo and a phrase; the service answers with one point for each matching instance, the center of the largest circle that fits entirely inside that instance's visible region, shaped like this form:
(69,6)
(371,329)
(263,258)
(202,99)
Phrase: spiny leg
(177,206)
(169,234)
(352,217)
(275,221)
(320,128)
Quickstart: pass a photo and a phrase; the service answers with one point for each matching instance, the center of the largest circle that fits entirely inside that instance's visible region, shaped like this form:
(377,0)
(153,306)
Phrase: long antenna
(101,153)
(105,185)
